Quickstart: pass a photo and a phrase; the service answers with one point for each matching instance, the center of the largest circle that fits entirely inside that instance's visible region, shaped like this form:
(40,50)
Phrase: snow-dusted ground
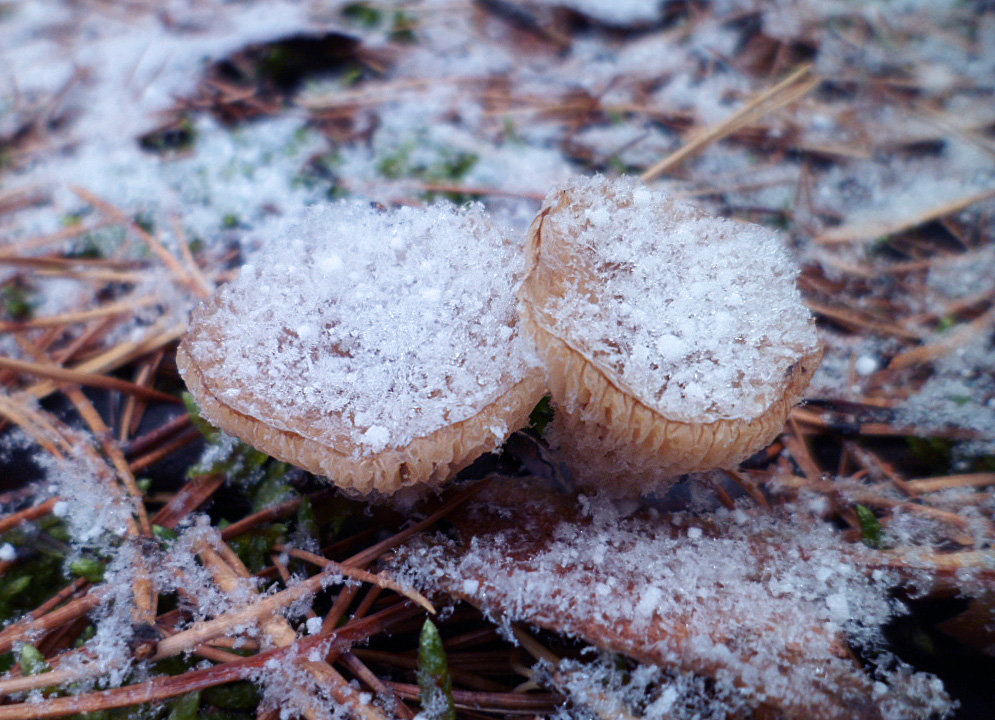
(504,107)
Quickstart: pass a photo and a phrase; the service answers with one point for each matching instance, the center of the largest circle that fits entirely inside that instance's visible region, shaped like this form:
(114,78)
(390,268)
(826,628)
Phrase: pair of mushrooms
(386,349)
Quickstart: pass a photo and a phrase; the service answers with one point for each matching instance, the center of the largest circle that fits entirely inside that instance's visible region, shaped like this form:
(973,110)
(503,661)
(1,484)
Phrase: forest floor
(151,566)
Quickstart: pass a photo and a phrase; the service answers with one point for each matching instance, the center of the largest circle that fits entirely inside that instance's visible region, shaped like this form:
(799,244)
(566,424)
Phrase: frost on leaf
(771,606)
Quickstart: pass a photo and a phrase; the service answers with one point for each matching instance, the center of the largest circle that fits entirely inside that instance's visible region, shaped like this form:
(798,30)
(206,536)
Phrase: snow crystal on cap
(698,315)
(371,327)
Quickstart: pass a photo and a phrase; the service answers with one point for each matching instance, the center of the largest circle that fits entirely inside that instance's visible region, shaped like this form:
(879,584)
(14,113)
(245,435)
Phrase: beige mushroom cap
(379,349)
(674,342)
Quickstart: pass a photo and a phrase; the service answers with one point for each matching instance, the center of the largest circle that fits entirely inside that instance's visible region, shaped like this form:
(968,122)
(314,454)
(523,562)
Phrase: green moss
(32,661)
(362,14)
(306,520)
(402,29)
(176,138)
(145,222)
(185,707)
(89,568)
(38,573)
(236,696)
(946,323)
(448,166)
(352,75)
(396,164)
(97,244)
(453,166)
(72,219)
(541,416)
(935,453)
(255,547)
(209,432)
(870,527)
(165,534)
(273,489)
(89,632)
(17,301)
(511,134)
(433,675)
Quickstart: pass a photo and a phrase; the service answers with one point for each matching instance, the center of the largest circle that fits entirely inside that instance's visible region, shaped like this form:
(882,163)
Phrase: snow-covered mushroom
(674,341)
(378,348)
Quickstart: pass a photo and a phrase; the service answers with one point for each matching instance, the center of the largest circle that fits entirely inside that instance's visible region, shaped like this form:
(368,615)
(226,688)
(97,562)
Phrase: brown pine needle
(20,249)
(359,669)
(862,321)
(155,244)
(125,307)
(202,285)
(206,630)
(364,558)
(945,482)
(134,408)
(534,704)
(191,496)
(36,425)
(100,430)
(271,513)
(953,340)
(24,630)
(119,355)
(157,689)
(359,574)
(191,435)
(230,574)
(791,89)
(871,229)
(28,514)
(87,379)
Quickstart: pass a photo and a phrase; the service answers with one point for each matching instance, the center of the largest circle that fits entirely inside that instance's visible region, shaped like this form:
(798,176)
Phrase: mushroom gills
(405,362)
(611,425)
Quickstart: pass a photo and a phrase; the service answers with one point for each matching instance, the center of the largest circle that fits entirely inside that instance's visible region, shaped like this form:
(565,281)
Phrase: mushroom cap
(378,348)
(674,341)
